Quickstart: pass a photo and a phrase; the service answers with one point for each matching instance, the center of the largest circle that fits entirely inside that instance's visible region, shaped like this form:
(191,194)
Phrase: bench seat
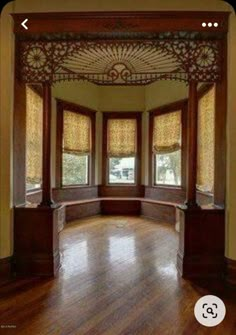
(160,210)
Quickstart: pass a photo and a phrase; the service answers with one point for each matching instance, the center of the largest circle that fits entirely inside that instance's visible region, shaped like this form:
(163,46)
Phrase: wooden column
(47,111)
(192,146)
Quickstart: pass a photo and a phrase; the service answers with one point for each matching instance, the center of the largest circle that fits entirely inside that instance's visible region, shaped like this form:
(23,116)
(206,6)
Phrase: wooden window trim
(168,108)
(105,168)
(65,105)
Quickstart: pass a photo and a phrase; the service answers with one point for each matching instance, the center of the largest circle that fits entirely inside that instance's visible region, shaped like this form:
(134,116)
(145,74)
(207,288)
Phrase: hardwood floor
(118,276)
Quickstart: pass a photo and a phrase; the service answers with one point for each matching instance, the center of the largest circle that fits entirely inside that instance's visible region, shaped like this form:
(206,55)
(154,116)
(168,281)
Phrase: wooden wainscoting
(75,193)
(162,193)
(121,207)
(83,209)
(161,212)
(36,241)
(121,191)
(202,242)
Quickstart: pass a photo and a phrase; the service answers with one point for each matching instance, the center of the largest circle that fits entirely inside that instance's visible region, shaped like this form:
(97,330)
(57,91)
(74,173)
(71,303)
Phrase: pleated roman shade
(122,137)
(206,142)
(34,137)
(76,133)
(167,133)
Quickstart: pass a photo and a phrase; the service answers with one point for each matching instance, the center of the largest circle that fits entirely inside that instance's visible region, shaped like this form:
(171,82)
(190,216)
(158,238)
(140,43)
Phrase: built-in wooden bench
(160,210)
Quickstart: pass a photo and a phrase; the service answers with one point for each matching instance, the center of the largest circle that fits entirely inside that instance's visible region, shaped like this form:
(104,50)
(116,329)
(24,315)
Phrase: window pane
(168,168)
(75,169)
(32,186)
(122,170)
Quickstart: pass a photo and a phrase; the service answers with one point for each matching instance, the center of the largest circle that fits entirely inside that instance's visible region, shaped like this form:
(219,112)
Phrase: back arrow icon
(24,24)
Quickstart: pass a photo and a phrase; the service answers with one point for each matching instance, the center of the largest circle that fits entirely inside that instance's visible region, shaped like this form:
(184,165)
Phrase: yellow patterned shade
(122,137)
(167,133)
(76,133)
(34,136)
(206,142)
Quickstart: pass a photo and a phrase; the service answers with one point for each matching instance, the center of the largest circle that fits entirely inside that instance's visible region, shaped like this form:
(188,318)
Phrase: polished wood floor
(118,276)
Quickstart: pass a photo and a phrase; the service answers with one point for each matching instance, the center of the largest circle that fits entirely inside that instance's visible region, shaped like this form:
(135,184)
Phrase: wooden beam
(47,111)
(192,146)
(83,22)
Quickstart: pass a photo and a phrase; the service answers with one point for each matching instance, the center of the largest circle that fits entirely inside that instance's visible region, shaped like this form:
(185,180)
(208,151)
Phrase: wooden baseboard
(230,275)
(5,269)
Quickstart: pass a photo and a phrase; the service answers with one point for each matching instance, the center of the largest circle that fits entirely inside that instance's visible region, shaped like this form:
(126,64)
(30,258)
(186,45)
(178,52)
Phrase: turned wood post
(46,173)
(192,146)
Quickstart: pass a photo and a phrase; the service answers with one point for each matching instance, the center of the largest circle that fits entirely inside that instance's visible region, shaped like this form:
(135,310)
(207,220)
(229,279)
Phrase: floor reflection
(122,249)
(75,258)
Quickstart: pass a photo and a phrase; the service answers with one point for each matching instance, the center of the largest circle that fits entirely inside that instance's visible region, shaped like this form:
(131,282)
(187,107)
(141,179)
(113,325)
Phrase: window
(34,135)
(121,150)
(76,148)
(206,141)
(166,148)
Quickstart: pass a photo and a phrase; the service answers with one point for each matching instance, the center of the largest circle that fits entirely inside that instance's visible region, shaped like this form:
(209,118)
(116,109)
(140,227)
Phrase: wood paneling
(169,194)
(75,193)
(202,242)
(36,243)
(79,211)
(120,207)
(94,22)
(121,191)
(160,212)
(66,194)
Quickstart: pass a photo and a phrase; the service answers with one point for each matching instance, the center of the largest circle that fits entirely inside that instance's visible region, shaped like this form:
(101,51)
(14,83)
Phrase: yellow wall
(6,124)
(83,93)
(121,98)
(163,92)
(101,5)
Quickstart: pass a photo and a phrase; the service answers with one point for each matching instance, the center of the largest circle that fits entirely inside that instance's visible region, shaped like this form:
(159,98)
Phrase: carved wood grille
(120,62)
